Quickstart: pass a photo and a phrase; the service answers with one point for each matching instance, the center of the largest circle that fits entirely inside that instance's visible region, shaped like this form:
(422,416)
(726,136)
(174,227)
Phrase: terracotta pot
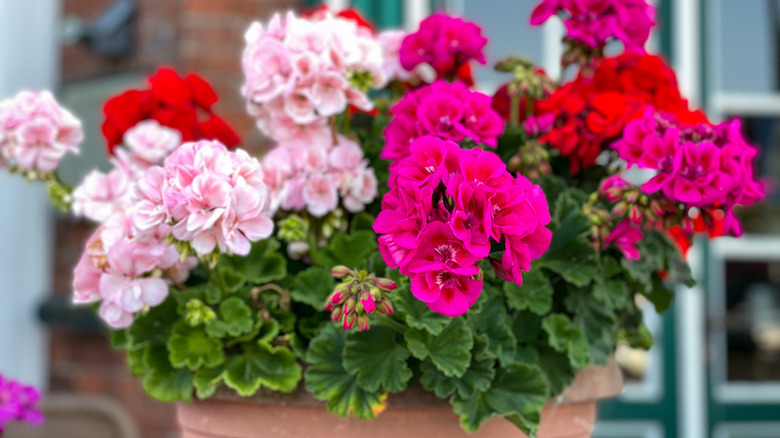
(412,414)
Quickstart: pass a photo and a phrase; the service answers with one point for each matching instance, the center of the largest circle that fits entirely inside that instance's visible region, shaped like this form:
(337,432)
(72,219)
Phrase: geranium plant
(405,228)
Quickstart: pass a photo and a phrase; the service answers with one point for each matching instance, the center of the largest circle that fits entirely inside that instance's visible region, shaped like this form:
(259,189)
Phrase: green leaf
(156,327)
(477,378)
(660,295)
(206,381)
(519,391)
(262,365)
(535,294)
(328,380)
(613,294)
(313,286)
(235,319)
(417,313)
(526,326)
(378,359)
(120,339)
(135,360)
(557,369)
(193,348)
(565,338)
(493,321)
(262,265)
(361,222)
(161,380)
(596,322)
(351,250)
(450,350)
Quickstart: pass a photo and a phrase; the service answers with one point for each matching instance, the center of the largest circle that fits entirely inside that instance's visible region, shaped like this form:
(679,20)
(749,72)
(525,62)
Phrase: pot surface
(219,419)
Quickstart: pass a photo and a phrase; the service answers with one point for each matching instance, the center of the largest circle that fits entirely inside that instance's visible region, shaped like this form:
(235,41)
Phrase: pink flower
(443,42)
(244,223)
(625,236)
(447,292)
(100,195)
(449,111)
(320,194)
(18,403)
(151,142)
(35,132)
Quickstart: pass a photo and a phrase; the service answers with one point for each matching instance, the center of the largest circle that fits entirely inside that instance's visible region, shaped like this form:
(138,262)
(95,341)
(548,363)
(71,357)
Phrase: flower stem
(514,110)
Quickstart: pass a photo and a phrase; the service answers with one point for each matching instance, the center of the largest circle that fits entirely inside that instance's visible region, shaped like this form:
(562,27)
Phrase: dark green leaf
(477,378)
(557,369)
(206,381)
(161,380)
(519,391)
(327,379)
(263,264)
(362,222)
(193,348)
(378,359)
(535,294)
(313,286)
(156,327)
(417,313)
(351,250)
(614,294)
(493,321)
(565,338)
(450,350)
(235,319)
(596,322)
(262,365)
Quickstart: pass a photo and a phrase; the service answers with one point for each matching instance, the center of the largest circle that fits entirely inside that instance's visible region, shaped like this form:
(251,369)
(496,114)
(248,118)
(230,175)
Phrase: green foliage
(478,377)
(263,365)
(378,359)
(417,314)
(191,347)
(328,379)
(263,264)
(565,338)
(235,319)
(493,325)
(450,350)
(351,250)
(517,391)
(161,380)
(535,294)
(312,286)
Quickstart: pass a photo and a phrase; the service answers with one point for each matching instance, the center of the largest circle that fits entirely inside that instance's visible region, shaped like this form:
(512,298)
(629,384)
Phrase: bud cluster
(528,81)
(358,295)
(586,57)
(646,211)
(531,160)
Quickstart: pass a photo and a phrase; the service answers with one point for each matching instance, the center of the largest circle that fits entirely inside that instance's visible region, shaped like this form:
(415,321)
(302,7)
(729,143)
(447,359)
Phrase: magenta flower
(625,236)
(18,403)
(446,208)
(449,111)
(594,22)
(445,43)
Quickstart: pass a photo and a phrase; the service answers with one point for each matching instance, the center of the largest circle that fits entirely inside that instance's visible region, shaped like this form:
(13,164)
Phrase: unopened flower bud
(620,209)
(636,214)
(385,306)
(349,305)
(362,321)
(386,284)
(349,320)
(336,313)
(340,271)
(333,299)
(367,301)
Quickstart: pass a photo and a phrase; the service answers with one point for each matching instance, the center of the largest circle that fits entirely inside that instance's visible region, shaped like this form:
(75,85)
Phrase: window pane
(745,43)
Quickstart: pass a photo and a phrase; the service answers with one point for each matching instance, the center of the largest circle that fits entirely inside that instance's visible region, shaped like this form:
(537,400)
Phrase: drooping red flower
(184,104)
(349,14)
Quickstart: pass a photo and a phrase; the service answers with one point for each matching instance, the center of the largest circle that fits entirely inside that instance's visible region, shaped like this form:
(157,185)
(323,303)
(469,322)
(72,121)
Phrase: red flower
(182,104)
(349,14)
(591,112)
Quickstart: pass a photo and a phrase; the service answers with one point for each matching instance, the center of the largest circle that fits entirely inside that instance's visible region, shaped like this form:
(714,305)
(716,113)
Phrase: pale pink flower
(244,223)
(150,141)
(102,194)
(320,194)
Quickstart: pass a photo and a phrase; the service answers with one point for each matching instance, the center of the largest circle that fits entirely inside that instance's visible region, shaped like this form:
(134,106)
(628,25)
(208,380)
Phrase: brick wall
(199,36)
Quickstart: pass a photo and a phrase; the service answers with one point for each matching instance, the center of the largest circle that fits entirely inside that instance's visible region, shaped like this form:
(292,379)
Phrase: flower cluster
(102,194)
(593,22)
(445,43)
(301,177)
(445,209)
(126,270)
(35,133)
(591,112)
(450,111)
(391,41)
(301,71)
(358,295)
(209,196)
(18,403)
(184,104)
(697,166)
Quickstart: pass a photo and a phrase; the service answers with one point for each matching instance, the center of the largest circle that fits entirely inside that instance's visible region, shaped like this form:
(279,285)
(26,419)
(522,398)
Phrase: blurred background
(715,368)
